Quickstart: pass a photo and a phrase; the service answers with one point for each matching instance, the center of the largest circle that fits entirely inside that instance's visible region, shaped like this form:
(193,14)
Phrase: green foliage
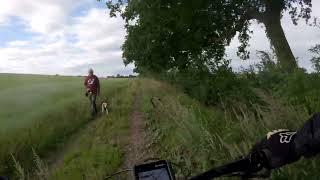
(166,35)
(267,74)
(176,35)
(302,89)
(90,164)
(198,138)
(316,59)
(19,171)
(185,42)
(222,88)
(297,88)
(37,112)
(41,168)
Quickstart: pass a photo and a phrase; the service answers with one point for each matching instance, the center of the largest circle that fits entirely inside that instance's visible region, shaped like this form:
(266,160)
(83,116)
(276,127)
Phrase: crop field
(39,113)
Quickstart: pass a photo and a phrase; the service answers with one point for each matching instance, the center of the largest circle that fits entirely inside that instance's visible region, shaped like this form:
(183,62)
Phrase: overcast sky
(68,37)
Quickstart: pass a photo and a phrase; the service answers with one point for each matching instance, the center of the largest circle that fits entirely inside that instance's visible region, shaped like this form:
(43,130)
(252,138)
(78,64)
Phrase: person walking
(92,86)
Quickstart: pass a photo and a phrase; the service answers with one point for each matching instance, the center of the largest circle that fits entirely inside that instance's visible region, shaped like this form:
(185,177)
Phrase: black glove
(277,148)
(282,147)
(307,141)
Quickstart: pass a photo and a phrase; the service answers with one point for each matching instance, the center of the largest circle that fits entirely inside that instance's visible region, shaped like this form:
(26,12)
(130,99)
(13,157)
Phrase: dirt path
(136,151)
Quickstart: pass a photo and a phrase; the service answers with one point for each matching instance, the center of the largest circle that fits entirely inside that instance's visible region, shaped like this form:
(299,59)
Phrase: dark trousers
(93,98)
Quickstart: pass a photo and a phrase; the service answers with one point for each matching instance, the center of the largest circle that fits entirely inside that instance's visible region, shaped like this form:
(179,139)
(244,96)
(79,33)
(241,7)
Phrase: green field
(39,114)
(47,133)
(24,98)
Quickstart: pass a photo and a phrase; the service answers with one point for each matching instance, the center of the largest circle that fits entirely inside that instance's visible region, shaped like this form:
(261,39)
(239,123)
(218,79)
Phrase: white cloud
(18,43)
(44,16)
(98,32)
(64,45)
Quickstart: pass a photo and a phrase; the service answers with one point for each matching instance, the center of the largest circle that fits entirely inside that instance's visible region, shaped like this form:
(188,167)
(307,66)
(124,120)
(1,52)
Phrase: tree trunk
(272,21)
(280,44)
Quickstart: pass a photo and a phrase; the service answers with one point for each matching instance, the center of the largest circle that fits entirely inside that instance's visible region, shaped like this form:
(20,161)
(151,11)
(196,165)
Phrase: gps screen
(156,174)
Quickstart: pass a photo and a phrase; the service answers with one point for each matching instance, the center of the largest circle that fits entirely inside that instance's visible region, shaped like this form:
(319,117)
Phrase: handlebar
(233,167)
(246,167)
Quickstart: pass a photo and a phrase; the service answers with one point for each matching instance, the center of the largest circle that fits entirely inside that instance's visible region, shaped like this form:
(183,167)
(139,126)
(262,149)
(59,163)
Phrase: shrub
(221,88)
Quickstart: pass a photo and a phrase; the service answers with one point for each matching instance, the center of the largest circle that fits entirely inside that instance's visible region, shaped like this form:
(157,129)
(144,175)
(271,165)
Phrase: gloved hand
(281,147)
(276,149)
(307,141)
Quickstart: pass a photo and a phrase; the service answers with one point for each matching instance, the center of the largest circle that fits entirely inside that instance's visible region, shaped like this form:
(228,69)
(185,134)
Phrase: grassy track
(98,152)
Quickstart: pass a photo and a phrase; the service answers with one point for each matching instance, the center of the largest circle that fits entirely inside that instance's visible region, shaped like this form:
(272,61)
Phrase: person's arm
(85,82)
(284,147)
(278,148)
(307,141)
(98,86)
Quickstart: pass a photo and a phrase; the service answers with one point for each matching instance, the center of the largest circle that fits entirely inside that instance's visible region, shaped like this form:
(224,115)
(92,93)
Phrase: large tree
(270,12)
(179,34)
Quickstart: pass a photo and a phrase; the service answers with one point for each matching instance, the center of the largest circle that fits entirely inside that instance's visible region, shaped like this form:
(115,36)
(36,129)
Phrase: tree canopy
(315,60)
(167,35)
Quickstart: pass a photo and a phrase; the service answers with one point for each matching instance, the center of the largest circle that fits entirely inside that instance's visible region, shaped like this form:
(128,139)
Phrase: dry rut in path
(137,152)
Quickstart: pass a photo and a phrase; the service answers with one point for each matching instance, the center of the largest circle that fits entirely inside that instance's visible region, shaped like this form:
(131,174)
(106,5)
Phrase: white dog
(104,107)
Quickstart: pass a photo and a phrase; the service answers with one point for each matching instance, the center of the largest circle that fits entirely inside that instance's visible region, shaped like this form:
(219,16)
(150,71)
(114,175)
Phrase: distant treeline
(122,76)
(117,76)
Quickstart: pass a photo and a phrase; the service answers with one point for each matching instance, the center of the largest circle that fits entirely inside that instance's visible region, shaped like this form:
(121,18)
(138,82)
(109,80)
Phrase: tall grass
(199,138)
(99,150)
(40,113)
(35,118)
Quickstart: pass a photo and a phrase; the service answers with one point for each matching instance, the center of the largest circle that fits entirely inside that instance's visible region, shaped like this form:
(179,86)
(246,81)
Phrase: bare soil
(136,151)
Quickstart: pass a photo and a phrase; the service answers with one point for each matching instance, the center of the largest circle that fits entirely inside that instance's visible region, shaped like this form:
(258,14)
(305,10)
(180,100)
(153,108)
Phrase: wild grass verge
(198,137)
